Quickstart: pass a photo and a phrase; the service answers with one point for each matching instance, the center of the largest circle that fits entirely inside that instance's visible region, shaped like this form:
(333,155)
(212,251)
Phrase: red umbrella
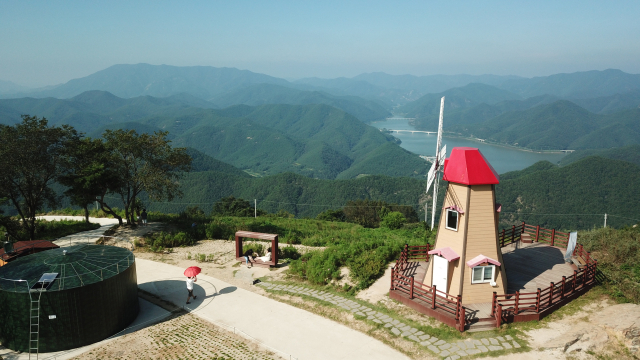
(192,271)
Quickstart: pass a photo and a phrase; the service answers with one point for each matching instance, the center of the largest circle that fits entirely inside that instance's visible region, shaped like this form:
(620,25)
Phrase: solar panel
(48,277)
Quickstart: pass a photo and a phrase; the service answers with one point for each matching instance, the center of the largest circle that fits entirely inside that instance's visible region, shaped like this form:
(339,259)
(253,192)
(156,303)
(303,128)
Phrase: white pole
(605,220)
(255,208)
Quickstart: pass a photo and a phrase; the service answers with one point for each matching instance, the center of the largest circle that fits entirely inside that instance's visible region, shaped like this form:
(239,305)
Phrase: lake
(503,159)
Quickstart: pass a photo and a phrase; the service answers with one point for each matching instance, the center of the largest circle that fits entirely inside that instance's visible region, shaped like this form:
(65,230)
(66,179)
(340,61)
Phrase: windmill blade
(441,156)
(439,142)
(431,175)
(435,200)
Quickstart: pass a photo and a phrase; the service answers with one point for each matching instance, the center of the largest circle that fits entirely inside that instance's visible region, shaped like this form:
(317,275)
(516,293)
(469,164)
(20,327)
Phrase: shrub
(393,220)
(257,248)
(332,215)
(289,252)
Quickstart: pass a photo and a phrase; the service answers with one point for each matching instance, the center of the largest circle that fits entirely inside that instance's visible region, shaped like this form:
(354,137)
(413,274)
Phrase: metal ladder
(34,322)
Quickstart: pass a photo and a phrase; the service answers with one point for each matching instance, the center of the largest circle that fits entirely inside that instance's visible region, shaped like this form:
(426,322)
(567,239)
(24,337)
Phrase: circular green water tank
(93,296)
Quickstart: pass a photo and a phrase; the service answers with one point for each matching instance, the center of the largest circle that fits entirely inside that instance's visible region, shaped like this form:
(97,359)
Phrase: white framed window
(452,220)
(483,274)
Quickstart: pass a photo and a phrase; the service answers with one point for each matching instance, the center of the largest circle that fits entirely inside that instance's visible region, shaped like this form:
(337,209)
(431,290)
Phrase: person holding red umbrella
(191,273)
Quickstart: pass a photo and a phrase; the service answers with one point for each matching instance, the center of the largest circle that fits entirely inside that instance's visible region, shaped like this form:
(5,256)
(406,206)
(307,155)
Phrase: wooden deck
(533,266)
(417,269)
(529,267)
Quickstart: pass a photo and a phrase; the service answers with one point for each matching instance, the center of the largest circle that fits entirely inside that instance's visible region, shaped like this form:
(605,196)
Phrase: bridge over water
(413,131)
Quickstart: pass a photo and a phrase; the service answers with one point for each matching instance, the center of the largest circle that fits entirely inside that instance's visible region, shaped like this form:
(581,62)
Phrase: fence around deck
(536,305)
(538,234)
(504,308)
(427,299)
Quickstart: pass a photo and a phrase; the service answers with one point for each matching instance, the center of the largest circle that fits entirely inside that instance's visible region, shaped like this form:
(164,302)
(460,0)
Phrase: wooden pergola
(254,235)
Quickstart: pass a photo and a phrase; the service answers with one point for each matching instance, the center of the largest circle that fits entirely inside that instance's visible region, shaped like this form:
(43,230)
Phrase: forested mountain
(458,98)
(612,103)
(260,94)
(628,153)
(8,87)
(593,186)
(578,85)
(313,140)
(133,80)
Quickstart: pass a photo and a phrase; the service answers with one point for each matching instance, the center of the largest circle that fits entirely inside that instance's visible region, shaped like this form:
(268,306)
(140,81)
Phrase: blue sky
(45,43)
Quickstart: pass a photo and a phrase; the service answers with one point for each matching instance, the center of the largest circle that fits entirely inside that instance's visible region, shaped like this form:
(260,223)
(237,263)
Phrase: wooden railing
(429,296)
(538,234)
(412,253)
(556,294)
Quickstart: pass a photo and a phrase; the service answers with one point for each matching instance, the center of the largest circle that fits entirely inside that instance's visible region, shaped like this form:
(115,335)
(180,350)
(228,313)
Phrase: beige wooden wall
(482,239)
(457,194)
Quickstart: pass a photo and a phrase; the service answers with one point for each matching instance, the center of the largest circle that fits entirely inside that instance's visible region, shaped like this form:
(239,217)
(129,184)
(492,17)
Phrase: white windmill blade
(431,175)
(435,200)
(441,156)
(439,142)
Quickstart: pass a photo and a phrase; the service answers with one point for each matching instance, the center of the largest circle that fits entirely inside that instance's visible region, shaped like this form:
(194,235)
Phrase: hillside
(365,110)
(428,106)
(592,185)
(314,140)
(578,85)
(612,103)
(628,153)
(132,80)
(548,126)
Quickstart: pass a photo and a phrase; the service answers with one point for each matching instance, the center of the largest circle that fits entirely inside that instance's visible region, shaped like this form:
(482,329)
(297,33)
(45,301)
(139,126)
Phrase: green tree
(32,155)
(143,162)
(230,206)
(393,220)
(87,175)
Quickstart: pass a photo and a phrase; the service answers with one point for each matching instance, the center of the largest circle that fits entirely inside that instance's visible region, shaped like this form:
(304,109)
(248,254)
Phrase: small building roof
(446,253)
(468,166)
(481,259)
(20,247)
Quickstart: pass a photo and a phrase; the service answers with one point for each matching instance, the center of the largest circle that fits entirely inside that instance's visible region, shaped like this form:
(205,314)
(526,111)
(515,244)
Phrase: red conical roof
(468,166)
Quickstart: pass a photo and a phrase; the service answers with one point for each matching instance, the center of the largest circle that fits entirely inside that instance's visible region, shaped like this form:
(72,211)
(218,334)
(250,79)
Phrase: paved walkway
(450,350)
(85,236)
(288,329)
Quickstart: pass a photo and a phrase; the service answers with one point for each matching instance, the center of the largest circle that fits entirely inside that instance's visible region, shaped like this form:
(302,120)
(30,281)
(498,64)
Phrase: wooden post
(499,316)
(551,293)
(462,320)
(513,233)
(433,297)
(522,232)
(392,270)
(575,279)
(502,240)
(493,303)
(537,233)
(553,236)
(538,302)
(411,290)
(517,302)
(564,279)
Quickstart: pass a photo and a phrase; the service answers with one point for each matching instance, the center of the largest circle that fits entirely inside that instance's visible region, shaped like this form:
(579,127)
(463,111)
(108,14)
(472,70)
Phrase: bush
(161,240)
(257,248)
(393,220)
(289,252)
(332,215)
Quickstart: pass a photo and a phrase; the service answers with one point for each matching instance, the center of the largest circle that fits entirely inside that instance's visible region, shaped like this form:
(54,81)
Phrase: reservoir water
(503,159)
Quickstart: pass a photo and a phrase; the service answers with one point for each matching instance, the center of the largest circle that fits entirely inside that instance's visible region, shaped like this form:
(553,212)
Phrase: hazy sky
(49,42)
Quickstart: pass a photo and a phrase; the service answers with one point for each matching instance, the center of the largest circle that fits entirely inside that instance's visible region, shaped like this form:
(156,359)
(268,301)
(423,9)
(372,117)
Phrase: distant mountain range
(207,82)
(315,140)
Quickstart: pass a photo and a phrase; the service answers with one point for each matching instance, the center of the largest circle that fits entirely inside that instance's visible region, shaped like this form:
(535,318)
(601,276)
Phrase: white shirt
(189,284)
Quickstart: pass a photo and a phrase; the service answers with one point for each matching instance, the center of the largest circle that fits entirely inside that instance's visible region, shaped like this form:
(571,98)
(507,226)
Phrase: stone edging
(450,350)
